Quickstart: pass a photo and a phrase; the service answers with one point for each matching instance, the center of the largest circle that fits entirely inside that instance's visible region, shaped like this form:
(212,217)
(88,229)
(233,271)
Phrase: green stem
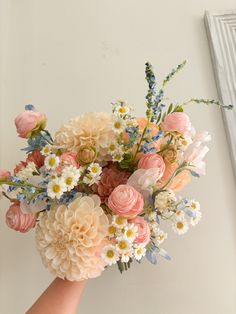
(140,142)
(177,171)
(21,185)
(167,145)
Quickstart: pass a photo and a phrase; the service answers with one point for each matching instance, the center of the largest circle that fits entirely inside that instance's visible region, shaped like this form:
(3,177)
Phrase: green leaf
(170,109)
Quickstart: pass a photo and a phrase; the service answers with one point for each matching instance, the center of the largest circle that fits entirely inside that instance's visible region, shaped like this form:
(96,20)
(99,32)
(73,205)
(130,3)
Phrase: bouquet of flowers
(97,192)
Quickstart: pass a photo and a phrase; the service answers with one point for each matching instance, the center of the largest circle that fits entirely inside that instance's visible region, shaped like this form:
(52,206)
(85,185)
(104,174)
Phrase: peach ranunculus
(68,159)
(36,157)
(143,122)
(144,232)
(29,122)
(176,122)
(4,174)
(126,201)
(152,160)
(86,154)
(179,182)
(111,177)
(17,220)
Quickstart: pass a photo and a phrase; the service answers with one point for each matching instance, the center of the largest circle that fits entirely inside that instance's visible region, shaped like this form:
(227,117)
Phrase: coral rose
(143,230)
(70,238)
(29,122)
(17,220)
(126,201)
(110,179)
(176,122)
(179,182)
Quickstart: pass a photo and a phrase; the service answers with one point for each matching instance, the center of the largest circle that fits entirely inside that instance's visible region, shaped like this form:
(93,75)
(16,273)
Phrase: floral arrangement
(97,192)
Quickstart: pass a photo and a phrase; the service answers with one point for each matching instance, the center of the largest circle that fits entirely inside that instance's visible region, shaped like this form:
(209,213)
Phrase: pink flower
(36,157)
(28,122)
(126,201)
(19,221)
(176,122)
(143,230)
(68,159)
(4,174)
(110,179)
(20,166)
(143,180)
(154,161)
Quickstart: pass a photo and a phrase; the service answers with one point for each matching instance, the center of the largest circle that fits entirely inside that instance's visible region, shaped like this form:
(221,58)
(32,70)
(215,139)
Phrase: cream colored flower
(89,129)
(70,238)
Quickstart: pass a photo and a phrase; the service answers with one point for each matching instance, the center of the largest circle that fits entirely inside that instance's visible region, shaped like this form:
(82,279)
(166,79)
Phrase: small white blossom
(139,252)
(180,226)
(51,162)
(46,150)
(56,188)
(28,171)
(110,254)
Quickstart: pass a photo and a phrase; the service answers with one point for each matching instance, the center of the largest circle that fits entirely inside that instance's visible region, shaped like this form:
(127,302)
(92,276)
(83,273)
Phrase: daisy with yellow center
(139,252)
(112,231)
(110,254)
(195,220)
(56,188)
(118,156)
(179,214)
(46,150)
(51,162)
(119,221)
(94,169)
(160,236)
(71,177)
(180,226)
(118,125)
(126,257)
(112,148)
(130,232)
(123,246)
(194,206)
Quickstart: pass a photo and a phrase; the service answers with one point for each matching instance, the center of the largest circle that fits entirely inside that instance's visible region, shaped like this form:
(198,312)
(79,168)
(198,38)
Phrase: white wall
(66,57)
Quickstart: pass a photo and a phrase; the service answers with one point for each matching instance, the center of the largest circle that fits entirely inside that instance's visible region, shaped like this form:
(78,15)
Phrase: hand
(61,297)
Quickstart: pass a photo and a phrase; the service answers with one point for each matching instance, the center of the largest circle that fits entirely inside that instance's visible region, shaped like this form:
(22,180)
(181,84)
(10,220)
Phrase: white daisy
(160,236)
(90,180)
(118,125)
(118,156)
(125,258)
(28,171)
(180,226)
(152,216)
(56,188)
(70,176)
(95,169)
(46,150)
(121,108)
(193,205)
(184,142)
(112,231)
(112,148)
(119,222)
(179,214)
(123,246)
(139,252)
(195,220)
(51,162)
(130,232)
(110,254)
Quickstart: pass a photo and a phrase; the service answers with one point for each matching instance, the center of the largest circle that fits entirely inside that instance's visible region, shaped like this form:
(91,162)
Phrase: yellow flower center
(122,245)
(193,205)
(110,254)
(129,233)
(112,229)
(139,251)
(52,162)
(117,125)
(69,180)
(46,150)
(94,169)
(184,142)
(161,237)
(112,147)
(180,225)
(122,110)
(120,220)
(56,188)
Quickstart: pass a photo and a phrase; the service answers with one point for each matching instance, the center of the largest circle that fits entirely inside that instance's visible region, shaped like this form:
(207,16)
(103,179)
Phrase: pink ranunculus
(152,160)
(126,201)
(20,166)
(68,159)
(111,177)
(19,221)
(144,232)
(36,157)
(4,174)
(28,122)
(177,122)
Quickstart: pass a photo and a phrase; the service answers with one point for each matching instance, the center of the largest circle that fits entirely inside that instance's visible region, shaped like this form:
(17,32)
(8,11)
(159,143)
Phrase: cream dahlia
(89,129)
(70,238)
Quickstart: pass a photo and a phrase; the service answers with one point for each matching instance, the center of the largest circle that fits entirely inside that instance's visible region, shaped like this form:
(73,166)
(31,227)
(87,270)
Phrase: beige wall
(67,57)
